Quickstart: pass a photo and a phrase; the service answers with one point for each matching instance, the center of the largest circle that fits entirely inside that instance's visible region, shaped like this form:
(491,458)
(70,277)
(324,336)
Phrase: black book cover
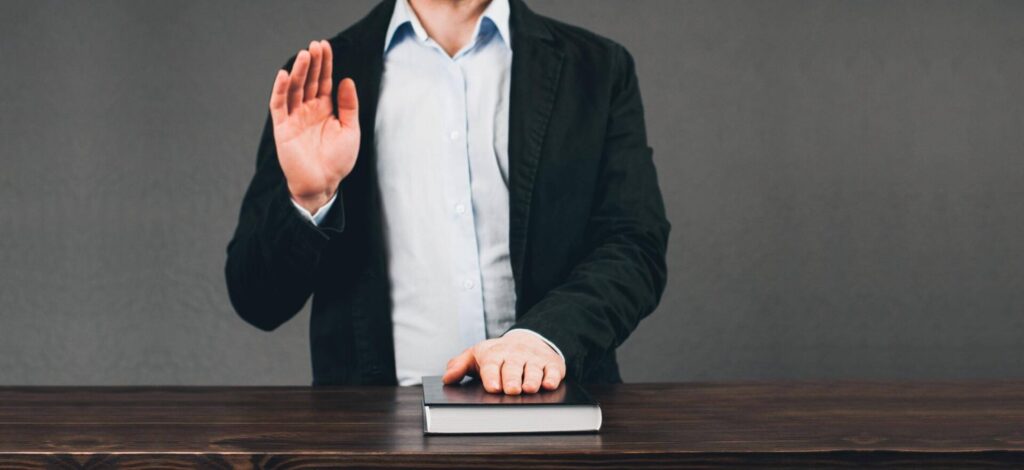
(472,393)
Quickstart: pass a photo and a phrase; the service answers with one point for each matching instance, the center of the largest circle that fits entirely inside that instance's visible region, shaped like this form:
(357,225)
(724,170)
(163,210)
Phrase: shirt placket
(467,274)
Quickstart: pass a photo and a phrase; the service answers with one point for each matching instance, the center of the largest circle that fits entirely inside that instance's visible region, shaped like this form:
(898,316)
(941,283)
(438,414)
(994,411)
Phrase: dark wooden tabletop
(655,425)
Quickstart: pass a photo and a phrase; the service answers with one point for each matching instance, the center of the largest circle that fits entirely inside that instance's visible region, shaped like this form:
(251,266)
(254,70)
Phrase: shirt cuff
(545,340)
(321,213)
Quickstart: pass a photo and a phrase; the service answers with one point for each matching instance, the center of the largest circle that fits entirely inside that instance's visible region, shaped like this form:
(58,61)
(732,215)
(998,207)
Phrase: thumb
(348,104)
(459,366)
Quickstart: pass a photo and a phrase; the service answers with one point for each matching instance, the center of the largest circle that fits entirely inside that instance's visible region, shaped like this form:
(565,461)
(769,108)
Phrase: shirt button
(460,209)
(454,135)
(468,284)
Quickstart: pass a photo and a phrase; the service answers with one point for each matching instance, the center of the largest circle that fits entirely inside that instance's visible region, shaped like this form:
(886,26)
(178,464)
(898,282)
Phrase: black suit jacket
(587,237)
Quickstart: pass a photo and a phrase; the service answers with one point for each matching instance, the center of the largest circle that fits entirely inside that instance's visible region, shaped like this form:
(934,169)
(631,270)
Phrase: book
(466,408)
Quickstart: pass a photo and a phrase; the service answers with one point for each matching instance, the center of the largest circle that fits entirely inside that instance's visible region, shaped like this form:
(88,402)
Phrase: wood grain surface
(815,424)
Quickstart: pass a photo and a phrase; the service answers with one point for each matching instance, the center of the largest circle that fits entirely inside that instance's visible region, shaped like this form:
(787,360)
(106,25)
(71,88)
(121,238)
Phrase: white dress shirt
(441,140)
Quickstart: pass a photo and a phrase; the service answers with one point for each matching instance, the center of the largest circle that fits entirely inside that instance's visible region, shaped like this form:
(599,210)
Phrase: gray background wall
(844,178)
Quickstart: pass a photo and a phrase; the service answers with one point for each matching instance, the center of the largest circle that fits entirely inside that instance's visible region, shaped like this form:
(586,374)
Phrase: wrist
(311,205)
(523,332)
(313,202)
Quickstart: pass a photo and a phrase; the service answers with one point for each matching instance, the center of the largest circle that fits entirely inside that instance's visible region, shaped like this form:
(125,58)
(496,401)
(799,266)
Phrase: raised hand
(316,149)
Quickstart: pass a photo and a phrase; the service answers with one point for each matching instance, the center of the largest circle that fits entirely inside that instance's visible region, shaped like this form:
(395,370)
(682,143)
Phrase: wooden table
(652,425)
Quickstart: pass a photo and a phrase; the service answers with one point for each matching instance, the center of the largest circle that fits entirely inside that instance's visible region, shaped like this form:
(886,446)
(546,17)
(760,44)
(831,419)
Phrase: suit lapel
(361,57)
(536,67)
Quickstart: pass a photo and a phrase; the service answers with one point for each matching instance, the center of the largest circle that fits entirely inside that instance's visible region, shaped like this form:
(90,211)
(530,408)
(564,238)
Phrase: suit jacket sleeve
(273,256)
(622,278)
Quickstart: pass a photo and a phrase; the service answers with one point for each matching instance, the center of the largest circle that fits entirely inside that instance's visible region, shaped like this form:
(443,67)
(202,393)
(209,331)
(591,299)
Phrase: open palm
(316,150)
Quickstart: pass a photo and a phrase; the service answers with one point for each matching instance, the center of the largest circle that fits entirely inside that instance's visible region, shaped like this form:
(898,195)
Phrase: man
(449,176)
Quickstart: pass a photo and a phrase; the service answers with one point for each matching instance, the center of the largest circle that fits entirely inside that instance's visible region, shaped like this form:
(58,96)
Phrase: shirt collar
(497,12)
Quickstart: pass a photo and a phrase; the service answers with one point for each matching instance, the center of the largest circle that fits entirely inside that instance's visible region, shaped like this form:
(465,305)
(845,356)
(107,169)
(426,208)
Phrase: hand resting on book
(518,362)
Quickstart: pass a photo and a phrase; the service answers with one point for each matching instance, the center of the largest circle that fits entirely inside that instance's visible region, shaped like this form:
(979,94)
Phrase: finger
(532,376)
(512,377)
(490,375)
(552,376)
(279,98)
(298,80)
(459,366)
(326,68)
(348,104)
(313,77)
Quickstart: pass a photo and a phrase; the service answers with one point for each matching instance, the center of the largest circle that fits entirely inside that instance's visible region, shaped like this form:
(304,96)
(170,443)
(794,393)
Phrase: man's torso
(441,137)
